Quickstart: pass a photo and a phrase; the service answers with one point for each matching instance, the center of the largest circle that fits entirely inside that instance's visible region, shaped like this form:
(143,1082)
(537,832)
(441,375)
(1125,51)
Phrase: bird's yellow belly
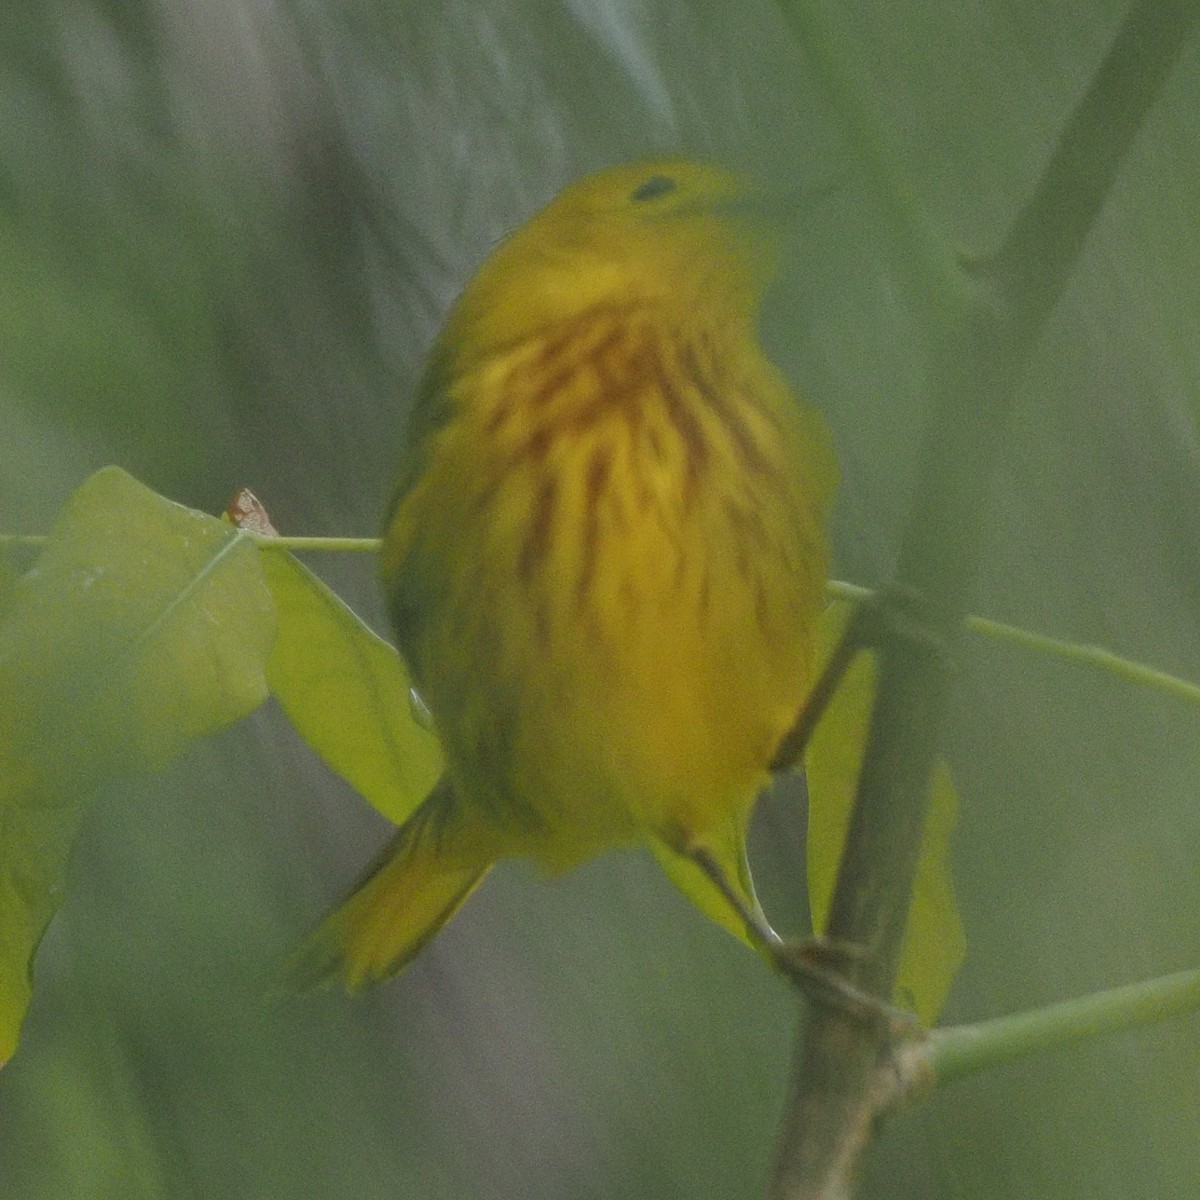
(671,700)
(634,654)
(616,572)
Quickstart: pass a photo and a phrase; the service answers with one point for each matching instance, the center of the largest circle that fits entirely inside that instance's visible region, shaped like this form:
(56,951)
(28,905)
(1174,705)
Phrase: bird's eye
(652,188)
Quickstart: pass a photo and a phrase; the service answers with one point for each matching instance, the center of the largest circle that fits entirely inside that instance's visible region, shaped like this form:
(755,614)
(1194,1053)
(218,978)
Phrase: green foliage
(347,693)
(142,626)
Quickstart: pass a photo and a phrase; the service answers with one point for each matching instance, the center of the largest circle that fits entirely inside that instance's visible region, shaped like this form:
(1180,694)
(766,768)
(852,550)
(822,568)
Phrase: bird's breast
(633,571)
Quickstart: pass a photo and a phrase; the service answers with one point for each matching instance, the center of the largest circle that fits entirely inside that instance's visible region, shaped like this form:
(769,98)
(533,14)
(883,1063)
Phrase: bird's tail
(413,888)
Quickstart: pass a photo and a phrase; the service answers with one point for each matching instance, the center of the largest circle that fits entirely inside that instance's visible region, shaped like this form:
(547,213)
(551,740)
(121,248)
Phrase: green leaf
(141,626)
(347,692)
(934,941)
(37,829)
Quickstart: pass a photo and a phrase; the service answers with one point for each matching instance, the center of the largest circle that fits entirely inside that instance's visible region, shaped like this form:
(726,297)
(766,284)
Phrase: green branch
(1079,653)
(981,329)
(956,1052)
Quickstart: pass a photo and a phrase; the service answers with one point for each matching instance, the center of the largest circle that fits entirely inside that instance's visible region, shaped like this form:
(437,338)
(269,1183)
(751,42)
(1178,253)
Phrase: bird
(604,559)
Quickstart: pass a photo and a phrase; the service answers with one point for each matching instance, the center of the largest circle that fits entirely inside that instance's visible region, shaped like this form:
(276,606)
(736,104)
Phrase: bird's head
(688,237)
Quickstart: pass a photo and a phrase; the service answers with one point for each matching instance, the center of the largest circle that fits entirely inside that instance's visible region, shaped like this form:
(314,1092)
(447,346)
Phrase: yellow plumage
(605,559)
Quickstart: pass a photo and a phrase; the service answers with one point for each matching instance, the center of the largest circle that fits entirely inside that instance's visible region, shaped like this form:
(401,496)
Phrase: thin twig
(1081,654)
(357,545)
(961,1050)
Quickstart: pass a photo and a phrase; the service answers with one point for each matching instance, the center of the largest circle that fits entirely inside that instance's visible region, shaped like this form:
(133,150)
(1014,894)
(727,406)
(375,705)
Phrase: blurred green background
(228,231)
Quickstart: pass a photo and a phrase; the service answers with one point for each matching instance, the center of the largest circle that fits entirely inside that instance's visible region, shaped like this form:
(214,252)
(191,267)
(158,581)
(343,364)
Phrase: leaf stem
(1080,653)
(356,545)
(359,545)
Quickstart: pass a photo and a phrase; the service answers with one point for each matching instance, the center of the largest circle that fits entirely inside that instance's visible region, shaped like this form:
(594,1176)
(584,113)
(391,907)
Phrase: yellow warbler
(605,559)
